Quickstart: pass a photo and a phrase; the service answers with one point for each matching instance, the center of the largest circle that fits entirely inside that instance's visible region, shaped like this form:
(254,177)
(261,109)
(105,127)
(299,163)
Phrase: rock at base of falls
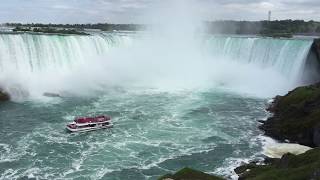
(4,96)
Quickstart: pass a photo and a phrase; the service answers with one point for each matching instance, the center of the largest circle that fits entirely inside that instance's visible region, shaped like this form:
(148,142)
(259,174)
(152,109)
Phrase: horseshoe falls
(175,102)
(34,64)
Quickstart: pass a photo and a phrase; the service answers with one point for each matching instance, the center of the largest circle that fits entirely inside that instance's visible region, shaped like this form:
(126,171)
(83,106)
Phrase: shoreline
(288,156)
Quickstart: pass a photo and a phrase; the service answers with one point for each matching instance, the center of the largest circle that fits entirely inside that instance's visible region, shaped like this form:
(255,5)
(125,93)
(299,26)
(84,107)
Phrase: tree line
(289,27)
(267,28)
(99,26)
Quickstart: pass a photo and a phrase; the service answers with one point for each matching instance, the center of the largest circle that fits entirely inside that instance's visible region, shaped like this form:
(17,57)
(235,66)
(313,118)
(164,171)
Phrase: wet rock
(284,161)
(190,174)
(4,96)
(271,160)
(315,175)
(245,167)
(316,47)
(316,135)
(47,94)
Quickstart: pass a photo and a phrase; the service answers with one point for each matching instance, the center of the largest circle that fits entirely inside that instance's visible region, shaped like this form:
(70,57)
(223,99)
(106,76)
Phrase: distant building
(269,16)
(4,28)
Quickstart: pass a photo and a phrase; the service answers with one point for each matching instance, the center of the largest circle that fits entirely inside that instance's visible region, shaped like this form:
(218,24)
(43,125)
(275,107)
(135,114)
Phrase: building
(269,16)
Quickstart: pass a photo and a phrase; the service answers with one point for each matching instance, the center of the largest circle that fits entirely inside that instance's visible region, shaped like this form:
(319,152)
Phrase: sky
(135,11)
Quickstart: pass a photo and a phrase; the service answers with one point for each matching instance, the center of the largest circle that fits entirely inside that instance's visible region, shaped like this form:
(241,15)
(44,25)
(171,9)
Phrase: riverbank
(289,166)
(296,119)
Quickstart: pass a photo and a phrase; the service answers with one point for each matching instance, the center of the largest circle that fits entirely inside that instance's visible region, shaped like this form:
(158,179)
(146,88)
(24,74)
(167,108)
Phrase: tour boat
(90,123)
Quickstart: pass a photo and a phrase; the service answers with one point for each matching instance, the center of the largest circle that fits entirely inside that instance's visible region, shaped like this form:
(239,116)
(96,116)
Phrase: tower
(269,16)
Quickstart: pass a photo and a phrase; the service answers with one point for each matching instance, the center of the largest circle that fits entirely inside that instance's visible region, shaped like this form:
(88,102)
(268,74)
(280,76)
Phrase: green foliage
(283,28)
(80,27)
(298,97)
(294,105)
(296,116)
(48,30)
(290,167)
(20,28)
(190,174)
(58,31)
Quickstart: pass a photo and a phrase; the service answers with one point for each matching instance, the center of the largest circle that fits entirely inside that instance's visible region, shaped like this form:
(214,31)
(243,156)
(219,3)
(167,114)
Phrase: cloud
(133,11)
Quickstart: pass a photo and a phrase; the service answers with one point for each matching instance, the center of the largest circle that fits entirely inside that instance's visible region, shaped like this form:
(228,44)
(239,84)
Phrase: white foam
(162,133)
(273,149)
(9,174)
(277,151)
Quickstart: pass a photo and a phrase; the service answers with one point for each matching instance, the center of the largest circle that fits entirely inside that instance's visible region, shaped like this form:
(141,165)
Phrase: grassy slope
(289,167)
(299,99)
(295,116)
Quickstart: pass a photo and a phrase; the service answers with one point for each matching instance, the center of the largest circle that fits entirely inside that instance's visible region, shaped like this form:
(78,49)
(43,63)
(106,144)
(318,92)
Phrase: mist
(173,55)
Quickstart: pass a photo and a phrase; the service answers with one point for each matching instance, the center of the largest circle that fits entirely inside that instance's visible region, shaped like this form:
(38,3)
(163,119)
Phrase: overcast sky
(135,11)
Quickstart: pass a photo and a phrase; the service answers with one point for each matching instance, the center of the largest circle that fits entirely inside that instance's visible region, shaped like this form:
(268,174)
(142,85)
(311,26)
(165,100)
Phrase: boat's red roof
(84,120)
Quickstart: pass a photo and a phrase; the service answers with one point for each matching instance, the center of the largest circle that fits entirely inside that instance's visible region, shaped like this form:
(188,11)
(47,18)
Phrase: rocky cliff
(296,117)
(316,48)
(291,167)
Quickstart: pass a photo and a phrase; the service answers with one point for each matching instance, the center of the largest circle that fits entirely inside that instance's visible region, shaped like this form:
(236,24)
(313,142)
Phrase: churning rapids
(175,102)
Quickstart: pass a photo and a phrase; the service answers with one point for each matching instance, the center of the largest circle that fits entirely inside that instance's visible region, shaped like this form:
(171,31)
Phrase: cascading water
(282,55)
(39,53)
(33,64)
(30,64)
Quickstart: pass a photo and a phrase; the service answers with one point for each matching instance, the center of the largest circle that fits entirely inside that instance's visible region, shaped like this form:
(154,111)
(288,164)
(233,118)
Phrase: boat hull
(89,128)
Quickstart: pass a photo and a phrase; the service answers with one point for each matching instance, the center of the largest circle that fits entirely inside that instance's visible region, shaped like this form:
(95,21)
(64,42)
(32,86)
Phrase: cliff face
(296,117)
(316,48)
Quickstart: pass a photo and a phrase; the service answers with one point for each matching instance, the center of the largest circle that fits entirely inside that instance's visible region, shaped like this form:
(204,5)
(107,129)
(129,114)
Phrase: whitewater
(80,64)
(176,101)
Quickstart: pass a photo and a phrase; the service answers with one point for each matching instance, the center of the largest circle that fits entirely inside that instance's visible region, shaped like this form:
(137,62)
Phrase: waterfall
(286,56)
(36,53)
(33,64)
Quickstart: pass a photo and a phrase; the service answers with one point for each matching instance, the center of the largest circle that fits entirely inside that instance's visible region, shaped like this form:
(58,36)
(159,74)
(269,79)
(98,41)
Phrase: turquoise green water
(155,133)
